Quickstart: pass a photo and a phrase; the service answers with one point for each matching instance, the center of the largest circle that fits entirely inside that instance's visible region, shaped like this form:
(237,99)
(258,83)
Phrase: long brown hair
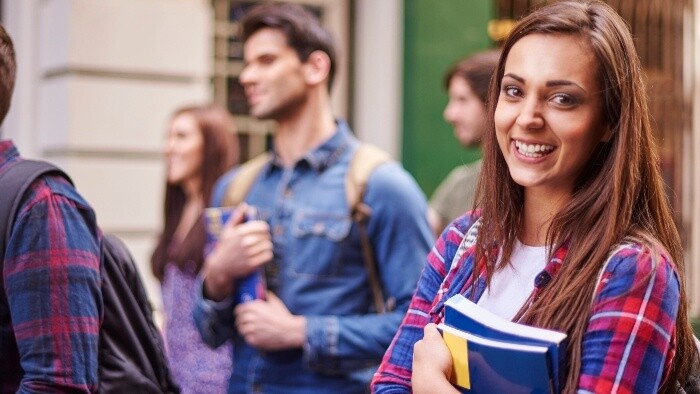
(220,153)
(620,192)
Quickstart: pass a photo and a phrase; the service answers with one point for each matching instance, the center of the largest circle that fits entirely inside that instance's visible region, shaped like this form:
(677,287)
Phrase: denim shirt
(321,274)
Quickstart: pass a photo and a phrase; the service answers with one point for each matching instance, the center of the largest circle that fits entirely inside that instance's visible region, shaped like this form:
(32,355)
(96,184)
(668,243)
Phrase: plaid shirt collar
(473,290)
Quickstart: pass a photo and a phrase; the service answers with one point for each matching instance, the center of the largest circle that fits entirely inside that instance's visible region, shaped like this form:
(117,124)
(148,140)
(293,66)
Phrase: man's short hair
(477,70)
(8,72)
(302,29)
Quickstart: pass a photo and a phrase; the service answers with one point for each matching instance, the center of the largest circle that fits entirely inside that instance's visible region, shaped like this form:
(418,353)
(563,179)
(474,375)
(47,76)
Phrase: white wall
(97,81)
(378,74)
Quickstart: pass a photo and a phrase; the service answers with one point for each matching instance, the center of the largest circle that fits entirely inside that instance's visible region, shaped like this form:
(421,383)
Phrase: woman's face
(465,112)
(549,113)
(184,149)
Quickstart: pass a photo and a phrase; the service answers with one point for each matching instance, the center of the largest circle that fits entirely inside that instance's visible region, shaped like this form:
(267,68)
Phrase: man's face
(273,76)
(465,112)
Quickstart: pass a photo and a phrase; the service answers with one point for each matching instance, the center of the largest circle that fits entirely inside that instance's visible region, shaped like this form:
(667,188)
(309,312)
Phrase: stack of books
(493,355)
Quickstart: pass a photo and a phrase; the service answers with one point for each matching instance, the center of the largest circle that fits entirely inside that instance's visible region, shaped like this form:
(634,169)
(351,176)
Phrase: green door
(437,33)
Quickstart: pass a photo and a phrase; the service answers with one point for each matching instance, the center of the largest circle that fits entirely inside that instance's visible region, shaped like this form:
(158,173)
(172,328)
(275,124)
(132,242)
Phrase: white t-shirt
(511,286)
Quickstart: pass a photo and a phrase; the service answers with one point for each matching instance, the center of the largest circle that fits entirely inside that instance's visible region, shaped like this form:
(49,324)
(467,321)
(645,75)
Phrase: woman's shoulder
(463,223)
(637,258)
(641,248)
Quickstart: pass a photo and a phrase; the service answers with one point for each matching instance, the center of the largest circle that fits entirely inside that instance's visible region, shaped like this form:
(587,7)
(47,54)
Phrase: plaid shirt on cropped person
(50,299)
(628,345)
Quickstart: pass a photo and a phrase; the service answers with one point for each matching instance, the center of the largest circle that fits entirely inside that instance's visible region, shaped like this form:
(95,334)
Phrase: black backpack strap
(14,183)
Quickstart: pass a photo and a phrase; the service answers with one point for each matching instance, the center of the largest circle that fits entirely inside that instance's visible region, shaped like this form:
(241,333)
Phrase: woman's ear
(317,67)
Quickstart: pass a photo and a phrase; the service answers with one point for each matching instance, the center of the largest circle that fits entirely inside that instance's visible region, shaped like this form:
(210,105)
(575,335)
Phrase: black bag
(132,357)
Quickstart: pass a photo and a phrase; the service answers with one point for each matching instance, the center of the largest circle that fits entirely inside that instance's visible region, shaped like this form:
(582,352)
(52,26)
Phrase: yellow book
(460,361)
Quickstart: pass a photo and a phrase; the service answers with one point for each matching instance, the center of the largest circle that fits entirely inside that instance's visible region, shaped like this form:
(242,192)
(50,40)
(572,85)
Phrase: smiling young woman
(570,187)
(549,120)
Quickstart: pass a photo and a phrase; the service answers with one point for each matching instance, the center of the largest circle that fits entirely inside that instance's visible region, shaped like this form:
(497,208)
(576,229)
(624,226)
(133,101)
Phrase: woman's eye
(511,91)
(563,99)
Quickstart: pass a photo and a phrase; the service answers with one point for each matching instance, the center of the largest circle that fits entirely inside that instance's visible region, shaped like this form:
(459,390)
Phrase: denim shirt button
(279,230)
(272,269)
(318,228)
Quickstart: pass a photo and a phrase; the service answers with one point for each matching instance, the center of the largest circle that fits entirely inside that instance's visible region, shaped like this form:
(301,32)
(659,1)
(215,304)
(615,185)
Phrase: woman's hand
(432,363)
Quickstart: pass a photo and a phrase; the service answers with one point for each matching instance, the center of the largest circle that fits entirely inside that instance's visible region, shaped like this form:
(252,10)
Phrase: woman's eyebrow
(517,78)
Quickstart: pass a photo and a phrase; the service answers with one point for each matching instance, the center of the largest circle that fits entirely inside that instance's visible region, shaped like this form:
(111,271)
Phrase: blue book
(483,365)
(248,288)
(466,316)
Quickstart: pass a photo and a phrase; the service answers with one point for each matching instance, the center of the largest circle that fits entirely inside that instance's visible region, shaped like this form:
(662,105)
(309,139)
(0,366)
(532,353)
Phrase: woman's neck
(192,188)
(191,212)
(539,209)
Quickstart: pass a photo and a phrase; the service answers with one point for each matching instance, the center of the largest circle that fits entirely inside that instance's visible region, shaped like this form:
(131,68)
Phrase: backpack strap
(247,174)
(14,183)
(364,161)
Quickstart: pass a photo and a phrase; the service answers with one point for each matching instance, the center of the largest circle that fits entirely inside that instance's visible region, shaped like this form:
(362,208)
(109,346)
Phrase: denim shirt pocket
(320,239)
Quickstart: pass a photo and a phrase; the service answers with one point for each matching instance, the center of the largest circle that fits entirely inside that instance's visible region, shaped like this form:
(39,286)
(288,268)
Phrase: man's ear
(317,67)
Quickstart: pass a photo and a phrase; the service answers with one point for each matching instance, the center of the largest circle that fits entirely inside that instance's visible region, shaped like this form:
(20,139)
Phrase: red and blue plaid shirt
(50,303)
(630,339)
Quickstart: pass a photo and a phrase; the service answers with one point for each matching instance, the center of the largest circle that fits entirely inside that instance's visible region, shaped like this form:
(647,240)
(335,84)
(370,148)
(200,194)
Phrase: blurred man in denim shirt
(318,330)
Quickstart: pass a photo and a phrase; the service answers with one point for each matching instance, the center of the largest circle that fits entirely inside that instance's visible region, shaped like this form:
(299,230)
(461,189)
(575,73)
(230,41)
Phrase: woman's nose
(169,146)
(530,116)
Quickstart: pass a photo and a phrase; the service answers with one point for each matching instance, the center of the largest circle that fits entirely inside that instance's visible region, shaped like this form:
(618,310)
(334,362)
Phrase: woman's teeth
(533,150)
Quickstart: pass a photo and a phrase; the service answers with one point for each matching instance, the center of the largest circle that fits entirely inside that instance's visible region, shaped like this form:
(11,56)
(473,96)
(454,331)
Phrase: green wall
(437,33)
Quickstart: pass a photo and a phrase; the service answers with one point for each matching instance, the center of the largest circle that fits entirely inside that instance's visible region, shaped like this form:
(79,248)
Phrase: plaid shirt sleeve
(394,374)
(51,275)
(630,340)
